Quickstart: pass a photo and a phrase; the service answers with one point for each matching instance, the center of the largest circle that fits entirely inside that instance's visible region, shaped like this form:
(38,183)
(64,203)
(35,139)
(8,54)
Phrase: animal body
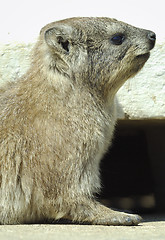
(57,121)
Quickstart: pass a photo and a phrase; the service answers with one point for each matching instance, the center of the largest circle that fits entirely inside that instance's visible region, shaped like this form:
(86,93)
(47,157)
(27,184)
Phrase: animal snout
(152,38)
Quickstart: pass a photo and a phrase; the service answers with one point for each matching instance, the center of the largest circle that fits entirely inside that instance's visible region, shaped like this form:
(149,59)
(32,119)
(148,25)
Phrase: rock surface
(148,230)
(142,97)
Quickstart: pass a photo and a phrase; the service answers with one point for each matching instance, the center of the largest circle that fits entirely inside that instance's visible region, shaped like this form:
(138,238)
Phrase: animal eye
(118,39)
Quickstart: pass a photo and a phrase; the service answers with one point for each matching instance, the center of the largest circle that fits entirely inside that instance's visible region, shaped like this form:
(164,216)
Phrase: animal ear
(59,38)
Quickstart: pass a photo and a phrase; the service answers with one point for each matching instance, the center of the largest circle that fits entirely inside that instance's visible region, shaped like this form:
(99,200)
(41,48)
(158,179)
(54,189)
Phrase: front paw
(118,219)
(126,219)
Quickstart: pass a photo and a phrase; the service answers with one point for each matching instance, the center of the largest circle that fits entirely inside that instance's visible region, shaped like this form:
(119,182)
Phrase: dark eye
(118,39)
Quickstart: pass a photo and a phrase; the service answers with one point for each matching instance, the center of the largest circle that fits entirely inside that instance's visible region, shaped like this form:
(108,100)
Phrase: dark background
(133,170)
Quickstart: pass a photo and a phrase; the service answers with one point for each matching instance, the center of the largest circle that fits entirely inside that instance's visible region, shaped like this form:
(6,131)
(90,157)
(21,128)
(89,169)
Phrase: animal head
(100,52)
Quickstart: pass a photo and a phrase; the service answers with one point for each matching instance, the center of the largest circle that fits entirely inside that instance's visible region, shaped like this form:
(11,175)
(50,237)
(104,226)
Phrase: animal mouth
(144,56)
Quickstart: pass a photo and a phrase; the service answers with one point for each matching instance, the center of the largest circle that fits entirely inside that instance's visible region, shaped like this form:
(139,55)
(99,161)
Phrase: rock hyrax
(57,121)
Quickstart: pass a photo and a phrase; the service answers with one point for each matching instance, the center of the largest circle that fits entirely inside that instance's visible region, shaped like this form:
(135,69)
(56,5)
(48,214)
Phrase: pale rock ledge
(142,97)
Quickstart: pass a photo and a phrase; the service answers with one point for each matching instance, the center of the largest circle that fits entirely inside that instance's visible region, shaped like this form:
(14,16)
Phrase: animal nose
(152,37)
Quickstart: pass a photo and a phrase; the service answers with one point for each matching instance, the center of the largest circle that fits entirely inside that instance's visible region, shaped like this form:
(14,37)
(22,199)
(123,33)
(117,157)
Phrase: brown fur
(57,121)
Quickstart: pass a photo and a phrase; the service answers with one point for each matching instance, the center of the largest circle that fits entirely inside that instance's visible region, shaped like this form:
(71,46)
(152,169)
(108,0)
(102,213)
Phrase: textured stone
(148,230)
(14,61)
(142,97)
